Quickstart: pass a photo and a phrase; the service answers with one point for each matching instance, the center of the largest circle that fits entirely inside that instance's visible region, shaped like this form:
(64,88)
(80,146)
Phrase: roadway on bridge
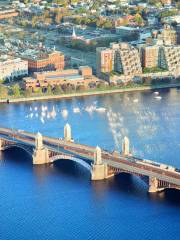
(121,163)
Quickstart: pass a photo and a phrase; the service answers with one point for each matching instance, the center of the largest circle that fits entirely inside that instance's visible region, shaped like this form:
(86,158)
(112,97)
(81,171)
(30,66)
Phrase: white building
(11,68)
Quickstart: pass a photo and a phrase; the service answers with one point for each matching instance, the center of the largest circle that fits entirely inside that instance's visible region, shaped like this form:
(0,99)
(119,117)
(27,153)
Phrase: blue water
(60,201)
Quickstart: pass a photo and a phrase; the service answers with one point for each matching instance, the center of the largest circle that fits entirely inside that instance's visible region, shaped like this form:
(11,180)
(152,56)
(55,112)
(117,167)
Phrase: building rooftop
(33,54)
(68,77)
(127,28)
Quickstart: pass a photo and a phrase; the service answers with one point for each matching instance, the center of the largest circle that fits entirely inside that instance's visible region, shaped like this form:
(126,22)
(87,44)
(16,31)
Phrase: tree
(16,90)
(49,90)
(28,92)
(34,21)
(21,35)
(3,91)
(57,90)
(67,88)
(107,24)
(101,85)
(24,23)
(39,90)
(26,1)
(138,19)
(81,88)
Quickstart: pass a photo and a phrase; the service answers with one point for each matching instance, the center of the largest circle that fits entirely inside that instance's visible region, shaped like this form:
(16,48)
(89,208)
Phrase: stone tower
(125,146)
(39,141)
(67,132)
(97,156)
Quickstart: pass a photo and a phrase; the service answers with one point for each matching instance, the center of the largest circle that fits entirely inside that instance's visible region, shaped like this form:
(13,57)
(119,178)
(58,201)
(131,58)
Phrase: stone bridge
(100,163)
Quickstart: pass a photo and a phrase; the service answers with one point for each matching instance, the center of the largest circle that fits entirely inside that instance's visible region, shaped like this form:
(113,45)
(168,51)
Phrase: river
(60,201)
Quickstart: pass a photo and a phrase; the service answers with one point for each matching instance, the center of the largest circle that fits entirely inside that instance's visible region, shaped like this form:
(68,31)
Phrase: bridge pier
(99,169)
(1,145)
(154,185)
(40,155)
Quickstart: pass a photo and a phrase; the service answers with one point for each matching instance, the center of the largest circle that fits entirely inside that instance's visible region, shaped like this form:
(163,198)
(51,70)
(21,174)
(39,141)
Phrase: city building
(70,77)
(85,71)
(166,2)
(104,60)
(149,56)
(127,60)
(7,13)
(45,61)
(11,68)
(169,59)
(168,35)
(178,33)
(128,33)
(121,58)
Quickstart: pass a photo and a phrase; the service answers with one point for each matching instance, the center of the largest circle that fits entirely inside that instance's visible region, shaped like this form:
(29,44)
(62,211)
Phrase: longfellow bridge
(101,163)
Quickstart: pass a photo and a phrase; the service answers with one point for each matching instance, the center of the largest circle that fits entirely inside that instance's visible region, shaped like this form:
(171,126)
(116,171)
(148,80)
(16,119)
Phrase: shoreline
(86,94)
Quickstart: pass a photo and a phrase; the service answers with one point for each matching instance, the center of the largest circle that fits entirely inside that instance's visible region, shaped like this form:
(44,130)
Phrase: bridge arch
(27,149)
(71,158)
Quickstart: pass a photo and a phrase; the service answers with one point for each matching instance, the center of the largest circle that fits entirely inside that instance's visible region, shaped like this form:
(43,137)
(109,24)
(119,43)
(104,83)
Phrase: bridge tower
(67,132)
(125,146)
(97,156)
(40,155)
(99,169)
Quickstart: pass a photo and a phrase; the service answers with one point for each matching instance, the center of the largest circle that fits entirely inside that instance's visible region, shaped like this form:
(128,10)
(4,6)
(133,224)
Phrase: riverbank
(89,93)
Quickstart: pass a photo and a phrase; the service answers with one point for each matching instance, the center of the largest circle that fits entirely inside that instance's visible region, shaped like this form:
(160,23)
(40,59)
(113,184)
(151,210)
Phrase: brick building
(70,77)
(44,61)
(104,60)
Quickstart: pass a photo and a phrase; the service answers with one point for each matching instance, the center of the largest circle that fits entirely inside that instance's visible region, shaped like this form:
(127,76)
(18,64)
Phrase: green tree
(81,88)
(3,91)
(26,1)
(34,21)
(57,90)
(49,90)
(101,85)
(138,19)
(28,92)
(39,91)
(107,24)
(16,90)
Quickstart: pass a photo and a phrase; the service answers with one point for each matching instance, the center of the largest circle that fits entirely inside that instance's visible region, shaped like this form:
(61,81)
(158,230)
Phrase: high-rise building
(169,58)
(104,60)
(128,60)
(149,56)
(122,58)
